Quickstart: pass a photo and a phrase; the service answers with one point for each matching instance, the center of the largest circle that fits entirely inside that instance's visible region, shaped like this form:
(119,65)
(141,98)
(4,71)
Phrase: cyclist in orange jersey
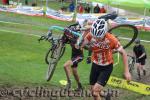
(102,45)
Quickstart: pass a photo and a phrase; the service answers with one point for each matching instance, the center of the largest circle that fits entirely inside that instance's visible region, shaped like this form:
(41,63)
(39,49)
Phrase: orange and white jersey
(102,50)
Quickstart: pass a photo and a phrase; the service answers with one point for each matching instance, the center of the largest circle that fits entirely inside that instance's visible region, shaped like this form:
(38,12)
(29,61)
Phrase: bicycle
(125,32)
(56,50)
(54,53)
(58,47)
(131,63)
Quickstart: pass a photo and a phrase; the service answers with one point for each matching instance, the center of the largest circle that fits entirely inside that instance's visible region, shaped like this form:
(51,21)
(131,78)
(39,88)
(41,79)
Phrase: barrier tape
(129,85)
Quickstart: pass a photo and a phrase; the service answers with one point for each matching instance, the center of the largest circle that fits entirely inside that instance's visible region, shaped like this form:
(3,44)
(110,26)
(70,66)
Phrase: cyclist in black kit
(140,55)
(76,57)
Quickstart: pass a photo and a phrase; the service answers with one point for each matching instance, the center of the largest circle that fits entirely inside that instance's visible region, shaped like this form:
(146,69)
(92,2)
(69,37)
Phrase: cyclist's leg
(96,89)
(75,61)
(98,78)
(138,69)
(75,74)
(67,69)
(143,66)
(93,79)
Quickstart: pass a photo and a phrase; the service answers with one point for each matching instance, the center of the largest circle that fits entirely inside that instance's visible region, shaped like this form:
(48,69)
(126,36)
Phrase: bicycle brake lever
(41,38)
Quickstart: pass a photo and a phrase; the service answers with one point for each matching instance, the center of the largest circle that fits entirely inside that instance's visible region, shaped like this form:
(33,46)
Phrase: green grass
(22,57)
(23,19)
(134,9)
(51,4)
(38,30)
(28,54)
(22,64)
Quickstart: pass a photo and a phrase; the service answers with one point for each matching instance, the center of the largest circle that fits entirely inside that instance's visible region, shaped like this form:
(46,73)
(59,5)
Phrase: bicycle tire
(52,64)
(49,53)
(56,54)
(130,68)
(134,32)
(50,71)
(62,52)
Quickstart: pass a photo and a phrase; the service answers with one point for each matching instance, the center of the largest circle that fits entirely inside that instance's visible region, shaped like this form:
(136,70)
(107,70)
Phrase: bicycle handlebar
(111,16)
(75,24)
(131,56)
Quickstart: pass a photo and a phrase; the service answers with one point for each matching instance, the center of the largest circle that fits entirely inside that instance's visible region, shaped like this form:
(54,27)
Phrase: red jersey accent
(102,50)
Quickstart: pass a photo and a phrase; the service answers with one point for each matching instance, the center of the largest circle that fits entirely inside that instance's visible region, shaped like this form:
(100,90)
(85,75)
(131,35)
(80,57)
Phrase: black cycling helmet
(137,41)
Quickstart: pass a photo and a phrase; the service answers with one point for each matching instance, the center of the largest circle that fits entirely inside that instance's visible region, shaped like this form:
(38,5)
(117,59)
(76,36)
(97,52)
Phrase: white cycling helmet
(99,28)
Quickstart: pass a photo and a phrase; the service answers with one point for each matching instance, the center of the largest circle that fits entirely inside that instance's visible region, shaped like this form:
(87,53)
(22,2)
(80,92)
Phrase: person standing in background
(26,2)
(80,9)
(140,55)
(71,7)
(96,9)
(102,10)
(87,8)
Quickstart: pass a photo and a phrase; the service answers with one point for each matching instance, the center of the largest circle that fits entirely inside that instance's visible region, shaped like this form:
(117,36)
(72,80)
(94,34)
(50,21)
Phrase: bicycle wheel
(54,57)
(50,54)
(51,68)
(130,68)
(62,51)
(125,33)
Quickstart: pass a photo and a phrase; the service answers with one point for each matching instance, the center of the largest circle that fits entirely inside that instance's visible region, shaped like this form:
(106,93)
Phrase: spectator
(34,4)
(102,10)
(140,55)
(26,2)
(87,8)
(96,9)
(71,7)
(80,9)
(5,2)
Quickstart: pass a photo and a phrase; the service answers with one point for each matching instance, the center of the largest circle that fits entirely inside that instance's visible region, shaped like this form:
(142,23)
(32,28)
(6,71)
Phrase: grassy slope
(38,21)
(22,58)
(21,65)
(28,28)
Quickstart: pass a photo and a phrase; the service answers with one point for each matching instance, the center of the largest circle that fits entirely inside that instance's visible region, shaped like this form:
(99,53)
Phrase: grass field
(22,57)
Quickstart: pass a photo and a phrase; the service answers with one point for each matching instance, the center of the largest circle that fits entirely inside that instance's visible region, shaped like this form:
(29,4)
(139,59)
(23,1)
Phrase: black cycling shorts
(76,60)
(141,61)
(100,74)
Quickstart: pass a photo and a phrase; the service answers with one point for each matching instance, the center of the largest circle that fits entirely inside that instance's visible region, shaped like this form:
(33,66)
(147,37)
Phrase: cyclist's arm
(62,29)
(75,24)
(125,63)
(116,45)
(56,27)
(143,54)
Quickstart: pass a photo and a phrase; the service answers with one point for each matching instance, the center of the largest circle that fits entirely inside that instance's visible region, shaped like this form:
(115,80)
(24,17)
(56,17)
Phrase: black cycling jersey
(71,39)
(139,50)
